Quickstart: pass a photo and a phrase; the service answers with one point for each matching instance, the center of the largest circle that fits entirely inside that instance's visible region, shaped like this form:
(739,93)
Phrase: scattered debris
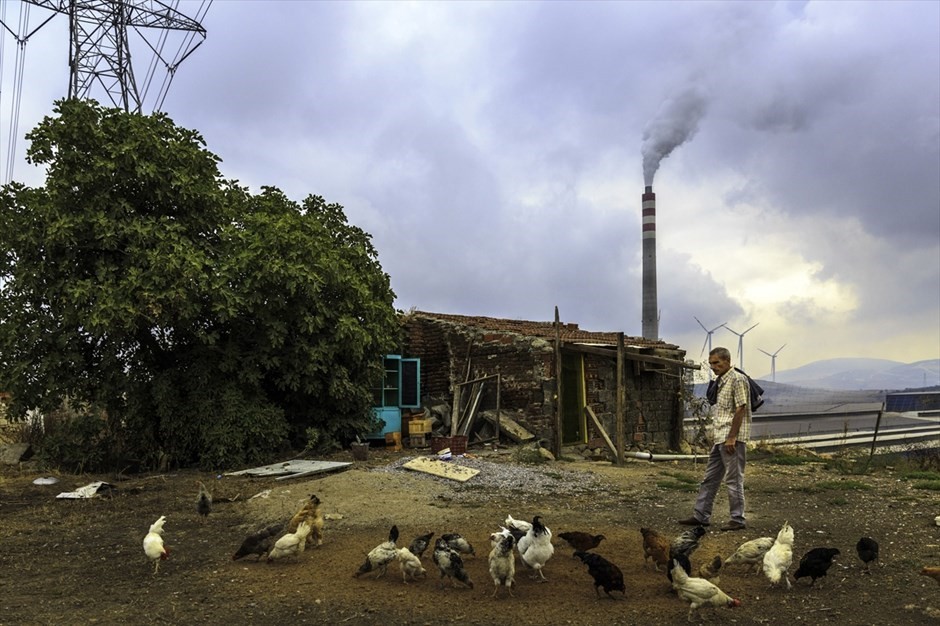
(90,490)
(292,469)
(46,480)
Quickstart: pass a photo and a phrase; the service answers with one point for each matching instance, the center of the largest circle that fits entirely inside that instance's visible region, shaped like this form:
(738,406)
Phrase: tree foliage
(208,323)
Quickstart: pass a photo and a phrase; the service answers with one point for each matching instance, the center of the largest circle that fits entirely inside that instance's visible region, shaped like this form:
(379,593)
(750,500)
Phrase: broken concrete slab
(292,469)
(13,453)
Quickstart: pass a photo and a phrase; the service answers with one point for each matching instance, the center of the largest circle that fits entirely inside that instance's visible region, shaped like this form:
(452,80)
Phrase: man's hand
(729,444)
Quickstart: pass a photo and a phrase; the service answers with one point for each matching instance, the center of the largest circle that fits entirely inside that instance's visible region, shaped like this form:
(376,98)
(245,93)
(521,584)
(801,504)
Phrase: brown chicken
(932,571)
(656,547)
(581,541)
(310,512)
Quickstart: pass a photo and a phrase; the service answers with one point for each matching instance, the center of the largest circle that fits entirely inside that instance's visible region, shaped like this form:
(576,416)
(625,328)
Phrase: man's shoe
(734,526)
(691,521)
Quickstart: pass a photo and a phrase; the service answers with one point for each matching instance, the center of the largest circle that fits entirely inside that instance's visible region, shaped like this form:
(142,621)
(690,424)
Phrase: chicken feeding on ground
(291,544)
(381,555)
(517,527)
(535,547)
(698,592)
(502,560)
(153,544)
(309,512)
(581,541)
(751,553)
(458,543)
(203,501)
(606,575)
(710,571)
(450,564)
(683,561)
(258,542)
(778,559)
(932,571)
(687,542)
(655,546)
(815,564)
(420,543)
(410,565)
(867,550)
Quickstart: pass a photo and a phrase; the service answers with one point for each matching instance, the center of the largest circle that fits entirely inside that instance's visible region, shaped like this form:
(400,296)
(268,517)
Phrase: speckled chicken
(458,543)
(655,547)
(450,564)
(420,543)
(606,575)
(259,542)
(751,553)
(381,555)
(502,560)
(687,542)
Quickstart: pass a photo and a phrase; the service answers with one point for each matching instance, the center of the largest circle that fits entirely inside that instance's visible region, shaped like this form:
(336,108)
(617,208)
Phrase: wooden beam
(601,430)
(611,352)
(621,402)
(556,444)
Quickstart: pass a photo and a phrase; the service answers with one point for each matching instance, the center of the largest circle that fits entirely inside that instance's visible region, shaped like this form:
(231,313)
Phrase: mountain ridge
(858,374)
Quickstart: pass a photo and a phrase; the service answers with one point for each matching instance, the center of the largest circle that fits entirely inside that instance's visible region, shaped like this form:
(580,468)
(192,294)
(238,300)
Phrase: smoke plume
(674,124)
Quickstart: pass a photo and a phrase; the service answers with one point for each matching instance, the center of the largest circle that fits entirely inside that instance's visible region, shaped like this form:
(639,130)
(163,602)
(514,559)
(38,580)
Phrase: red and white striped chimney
(650,308)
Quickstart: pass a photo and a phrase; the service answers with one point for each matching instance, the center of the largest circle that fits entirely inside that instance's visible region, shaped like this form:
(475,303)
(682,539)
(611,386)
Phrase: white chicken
(698,592)
(410,565)
(778,559)
(153,544)
(535,547)
(751,553)
(502,560)
(291,544)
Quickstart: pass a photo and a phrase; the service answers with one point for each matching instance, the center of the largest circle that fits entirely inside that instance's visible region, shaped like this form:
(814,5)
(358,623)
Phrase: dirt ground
(81,561)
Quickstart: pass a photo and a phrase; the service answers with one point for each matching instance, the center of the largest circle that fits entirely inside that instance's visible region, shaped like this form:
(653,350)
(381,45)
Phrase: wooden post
(874,437)
(455,412)
(556,448)
(621,401)
(498,385)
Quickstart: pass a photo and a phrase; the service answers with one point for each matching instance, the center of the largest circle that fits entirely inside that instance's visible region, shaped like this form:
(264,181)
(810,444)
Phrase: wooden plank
(556,443)
(611,352)
(601,430)
(442,469)
(510,427)
(621,400)
(467,423)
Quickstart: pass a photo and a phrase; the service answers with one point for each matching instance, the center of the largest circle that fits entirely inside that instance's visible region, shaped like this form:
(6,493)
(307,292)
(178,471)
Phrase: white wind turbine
(741,343)
(708,334)
(773,361)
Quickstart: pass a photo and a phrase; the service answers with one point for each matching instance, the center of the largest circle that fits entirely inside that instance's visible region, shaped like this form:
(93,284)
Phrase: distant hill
(851,374)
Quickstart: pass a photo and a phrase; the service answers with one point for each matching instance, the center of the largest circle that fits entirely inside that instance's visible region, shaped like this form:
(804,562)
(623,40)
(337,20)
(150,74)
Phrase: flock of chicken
(532,541)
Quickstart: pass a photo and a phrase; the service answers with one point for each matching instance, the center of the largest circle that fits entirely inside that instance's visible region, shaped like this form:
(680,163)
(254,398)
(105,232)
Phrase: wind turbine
(708,335)
(773,361)
(741,343)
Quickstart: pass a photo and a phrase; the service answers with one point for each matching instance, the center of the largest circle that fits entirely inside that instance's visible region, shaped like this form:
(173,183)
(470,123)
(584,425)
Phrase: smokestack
(650,307)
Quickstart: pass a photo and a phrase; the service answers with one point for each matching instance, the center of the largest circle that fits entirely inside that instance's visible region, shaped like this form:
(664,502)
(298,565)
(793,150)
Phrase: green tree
(209,324)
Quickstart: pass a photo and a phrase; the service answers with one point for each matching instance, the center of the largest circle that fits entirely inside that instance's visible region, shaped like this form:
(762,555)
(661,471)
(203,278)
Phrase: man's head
(719,360)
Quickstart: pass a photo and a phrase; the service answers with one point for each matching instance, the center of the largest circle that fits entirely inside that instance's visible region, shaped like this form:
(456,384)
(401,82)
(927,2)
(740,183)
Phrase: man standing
(731,428)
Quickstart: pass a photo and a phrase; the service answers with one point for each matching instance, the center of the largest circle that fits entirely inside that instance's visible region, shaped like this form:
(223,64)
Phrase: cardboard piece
(442,469)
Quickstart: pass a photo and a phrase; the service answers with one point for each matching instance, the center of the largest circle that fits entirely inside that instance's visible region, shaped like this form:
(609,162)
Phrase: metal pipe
(649,456)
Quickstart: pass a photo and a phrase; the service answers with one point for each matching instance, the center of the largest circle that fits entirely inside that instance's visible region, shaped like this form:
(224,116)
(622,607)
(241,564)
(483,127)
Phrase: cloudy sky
(495,153)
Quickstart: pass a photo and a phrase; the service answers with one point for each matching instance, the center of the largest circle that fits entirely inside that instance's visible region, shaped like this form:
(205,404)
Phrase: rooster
(291,544)
(258,542)
(780,556)
(410,565)
(458,543)
(381,555)
(502,560)
(867,549)
(815,564)
(581,541)
(420,544)
(450,564)
(655,546)
(751,553)
(153,544)
(203,501)
(310,512)
(604,573)
(535,547)
(686,543)
(698,592)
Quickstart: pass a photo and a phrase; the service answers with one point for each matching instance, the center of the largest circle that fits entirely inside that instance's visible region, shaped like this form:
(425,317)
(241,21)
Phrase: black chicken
(686,543)
(679,559)
(580,541)
(450,564)
(605,573)
(258,542)
(420,544)
(867,549)
(816,563)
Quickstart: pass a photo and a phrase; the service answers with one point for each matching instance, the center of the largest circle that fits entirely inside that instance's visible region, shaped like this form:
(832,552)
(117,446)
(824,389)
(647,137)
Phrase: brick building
(457,348)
